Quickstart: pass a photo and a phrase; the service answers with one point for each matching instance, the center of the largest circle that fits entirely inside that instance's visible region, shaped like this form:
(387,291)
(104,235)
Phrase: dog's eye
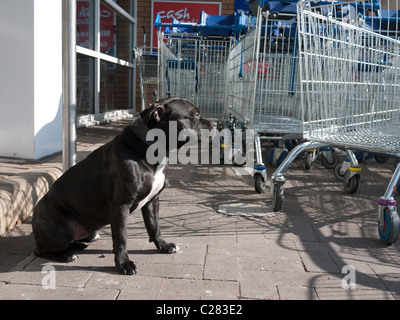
(197,115)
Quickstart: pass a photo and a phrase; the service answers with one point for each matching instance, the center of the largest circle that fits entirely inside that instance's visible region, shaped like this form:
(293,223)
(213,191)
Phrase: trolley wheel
(259,183)
(339,176)
(309,160)
(350,184)
(390,231)
(277,197)
(381,158)
(330,164)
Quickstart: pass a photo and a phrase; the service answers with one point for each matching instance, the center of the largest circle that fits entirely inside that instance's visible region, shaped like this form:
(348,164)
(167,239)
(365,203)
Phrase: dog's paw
(70,256)
(169,248)
(127,267)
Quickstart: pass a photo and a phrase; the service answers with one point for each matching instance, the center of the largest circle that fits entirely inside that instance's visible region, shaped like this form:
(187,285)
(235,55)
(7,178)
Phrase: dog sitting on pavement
(112,182)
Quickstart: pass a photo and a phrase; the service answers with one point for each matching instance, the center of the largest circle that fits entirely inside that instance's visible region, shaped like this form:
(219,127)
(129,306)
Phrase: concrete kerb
(20,193)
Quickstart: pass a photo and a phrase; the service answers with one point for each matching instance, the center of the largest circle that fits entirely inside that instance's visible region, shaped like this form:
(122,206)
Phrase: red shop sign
(187,11)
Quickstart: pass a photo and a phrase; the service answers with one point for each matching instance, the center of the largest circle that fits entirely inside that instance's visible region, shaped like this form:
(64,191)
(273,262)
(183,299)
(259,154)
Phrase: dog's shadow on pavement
(16,255)
(97,260)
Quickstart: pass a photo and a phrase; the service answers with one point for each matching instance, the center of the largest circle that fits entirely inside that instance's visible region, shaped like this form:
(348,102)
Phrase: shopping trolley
(192,59)
(383,19)
(192,67)
(266,64)
(243,66)
(261,77)
(350,85)
(147,62)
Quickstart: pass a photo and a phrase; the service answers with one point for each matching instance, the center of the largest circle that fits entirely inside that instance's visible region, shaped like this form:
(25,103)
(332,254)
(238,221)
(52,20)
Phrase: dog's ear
(158,113)
(154,112)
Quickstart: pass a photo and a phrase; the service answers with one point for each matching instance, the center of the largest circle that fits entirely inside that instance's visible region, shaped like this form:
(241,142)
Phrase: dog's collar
(140,129)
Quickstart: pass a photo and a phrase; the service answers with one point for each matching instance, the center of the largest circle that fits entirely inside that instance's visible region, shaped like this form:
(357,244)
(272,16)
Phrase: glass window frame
(98,56)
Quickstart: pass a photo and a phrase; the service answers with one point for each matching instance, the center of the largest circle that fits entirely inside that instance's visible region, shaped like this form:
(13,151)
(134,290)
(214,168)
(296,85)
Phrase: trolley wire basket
(147,61)
(194,67)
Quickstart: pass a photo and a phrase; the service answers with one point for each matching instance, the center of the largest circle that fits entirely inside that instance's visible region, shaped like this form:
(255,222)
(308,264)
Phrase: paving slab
(258,284)
(18,292)
(105,280)
(68,293)
(192,289)
(142,288)
(221,267)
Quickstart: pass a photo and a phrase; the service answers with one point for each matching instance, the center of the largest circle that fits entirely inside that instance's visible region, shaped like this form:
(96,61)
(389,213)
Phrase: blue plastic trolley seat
(388,23)
(210,25)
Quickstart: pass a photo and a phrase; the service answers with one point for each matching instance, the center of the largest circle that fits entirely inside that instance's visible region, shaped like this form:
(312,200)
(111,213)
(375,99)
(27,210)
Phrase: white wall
(30,81)
(48,77)
(16,89)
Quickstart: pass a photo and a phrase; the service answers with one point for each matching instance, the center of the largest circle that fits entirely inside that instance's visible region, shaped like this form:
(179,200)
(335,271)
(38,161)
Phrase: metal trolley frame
(350,78)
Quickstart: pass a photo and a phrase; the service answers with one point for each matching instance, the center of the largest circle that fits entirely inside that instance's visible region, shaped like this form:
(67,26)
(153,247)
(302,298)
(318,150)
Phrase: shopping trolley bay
(313,77)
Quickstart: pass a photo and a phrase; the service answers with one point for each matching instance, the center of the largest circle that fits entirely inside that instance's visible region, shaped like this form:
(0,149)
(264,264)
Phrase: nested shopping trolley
(350,86)
(147,62)
(242,72)
(193,67)
(192,60)
(263,72)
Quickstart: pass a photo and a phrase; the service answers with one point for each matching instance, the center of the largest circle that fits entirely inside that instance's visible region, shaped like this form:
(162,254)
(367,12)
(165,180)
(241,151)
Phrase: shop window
(105,62)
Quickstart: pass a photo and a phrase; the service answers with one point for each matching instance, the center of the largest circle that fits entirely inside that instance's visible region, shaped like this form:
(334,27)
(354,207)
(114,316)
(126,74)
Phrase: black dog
(112,182)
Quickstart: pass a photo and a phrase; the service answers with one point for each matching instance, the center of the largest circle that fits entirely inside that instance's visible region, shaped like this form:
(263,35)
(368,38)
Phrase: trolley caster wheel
(277,197)
(381,158)
(338,175)
(350,184)
(309,160)
(390,231)
(259,183)
(331,163)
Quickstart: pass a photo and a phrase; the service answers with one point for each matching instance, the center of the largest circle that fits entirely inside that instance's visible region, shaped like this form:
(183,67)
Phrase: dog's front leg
(118,230)
(150,216)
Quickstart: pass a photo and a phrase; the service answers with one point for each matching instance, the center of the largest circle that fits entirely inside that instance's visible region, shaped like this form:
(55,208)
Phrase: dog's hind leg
(53,233)
(150,216)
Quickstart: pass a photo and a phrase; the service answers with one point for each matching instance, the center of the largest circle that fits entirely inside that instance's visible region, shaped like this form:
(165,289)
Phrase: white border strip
(103,56)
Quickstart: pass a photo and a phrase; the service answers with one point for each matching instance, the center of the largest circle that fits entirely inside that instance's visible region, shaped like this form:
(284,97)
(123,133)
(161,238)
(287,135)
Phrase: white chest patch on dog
(158,184)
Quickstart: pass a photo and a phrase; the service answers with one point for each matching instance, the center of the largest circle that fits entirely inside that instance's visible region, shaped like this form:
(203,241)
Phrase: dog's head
(179,110)
(185,113)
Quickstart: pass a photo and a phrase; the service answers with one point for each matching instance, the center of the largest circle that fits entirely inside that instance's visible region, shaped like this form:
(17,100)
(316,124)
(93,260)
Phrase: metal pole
(69,82)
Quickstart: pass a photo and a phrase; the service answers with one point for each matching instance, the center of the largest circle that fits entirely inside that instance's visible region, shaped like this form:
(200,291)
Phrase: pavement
(323,245)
